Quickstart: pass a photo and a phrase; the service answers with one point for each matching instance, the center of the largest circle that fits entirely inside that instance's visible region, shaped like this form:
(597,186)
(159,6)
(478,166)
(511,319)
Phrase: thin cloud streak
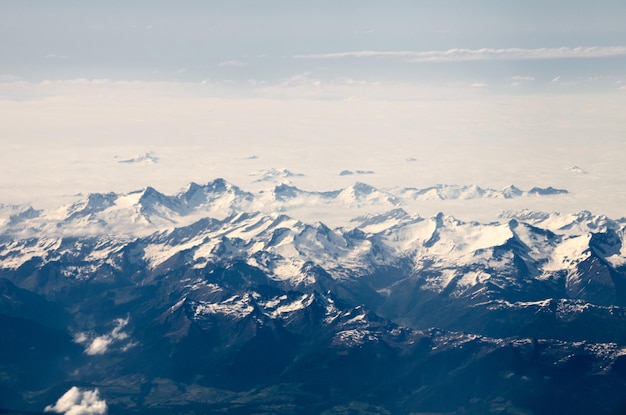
(463,55)
(232,64)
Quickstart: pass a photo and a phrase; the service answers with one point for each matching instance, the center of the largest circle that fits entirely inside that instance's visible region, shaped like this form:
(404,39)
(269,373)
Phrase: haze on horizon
(489,93)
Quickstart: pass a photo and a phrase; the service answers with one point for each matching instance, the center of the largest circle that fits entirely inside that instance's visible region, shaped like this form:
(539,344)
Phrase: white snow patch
(236,306)
(353,337)
(569,253)
(299,304)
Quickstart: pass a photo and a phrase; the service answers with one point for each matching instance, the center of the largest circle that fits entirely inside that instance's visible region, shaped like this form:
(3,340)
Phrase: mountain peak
(150,196)
(361,188)
(284,191)
(545,191)
(511,191)
(218,185)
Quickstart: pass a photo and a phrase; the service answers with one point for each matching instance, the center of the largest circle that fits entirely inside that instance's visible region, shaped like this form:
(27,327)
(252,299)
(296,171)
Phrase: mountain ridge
(146,210)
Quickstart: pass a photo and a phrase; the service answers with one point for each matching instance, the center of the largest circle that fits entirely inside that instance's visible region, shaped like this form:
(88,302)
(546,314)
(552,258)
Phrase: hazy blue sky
(275,40)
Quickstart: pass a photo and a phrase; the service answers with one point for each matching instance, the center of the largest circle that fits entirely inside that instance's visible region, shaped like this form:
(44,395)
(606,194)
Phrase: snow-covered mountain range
(148,210)
(224,292)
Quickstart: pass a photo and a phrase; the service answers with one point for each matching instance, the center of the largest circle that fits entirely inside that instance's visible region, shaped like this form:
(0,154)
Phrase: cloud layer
(79,402)
(464,55)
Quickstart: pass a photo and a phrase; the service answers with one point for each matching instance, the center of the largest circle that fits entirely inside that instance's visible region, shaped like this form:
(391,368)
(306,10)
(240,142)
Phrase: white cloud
(302,79)
(80,338)
(232,64)
(117,332)
(460,54)
(522,78)
(100,344)
(82,124)
(79,402)
(55,56)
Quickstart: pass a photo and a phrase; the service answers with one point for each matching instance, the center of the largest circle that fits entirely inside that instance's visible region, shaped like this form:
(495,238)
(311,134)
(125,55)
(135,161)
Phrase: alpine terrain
(221,300)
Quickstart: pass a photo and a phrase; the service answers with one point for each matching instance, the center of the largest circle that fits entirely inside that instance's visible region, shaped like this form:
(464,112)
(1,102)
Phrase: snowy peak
(95,202)
(286,196)
(148,210)
(217,194)
(284,192)
(471,192)
(361,193)
(147,207)
(151,199)
(512,191)
(373,223)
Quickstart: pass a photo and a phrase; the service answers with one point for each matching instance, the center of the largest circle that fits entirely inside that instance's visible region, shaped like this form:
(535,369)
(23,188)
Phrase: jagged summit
(215,193)
(361,193)
(150,197)
(512,191)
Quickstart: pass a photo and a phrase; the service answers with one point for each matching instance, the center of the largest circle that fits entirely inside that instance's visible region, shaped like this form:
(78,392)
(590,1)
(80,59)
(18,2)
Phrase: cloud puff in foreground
(79,402)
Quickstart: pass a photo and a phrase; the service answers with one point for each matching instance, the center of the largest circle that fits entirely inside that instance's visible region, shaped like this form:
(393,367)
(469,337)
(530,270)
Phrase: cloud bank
(464,55)
(79,402)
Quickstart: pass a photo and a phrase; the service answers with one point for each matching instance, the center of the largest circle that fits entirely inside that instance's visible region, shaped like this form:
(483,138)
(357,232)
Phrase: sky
(270,41)
(420,92)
